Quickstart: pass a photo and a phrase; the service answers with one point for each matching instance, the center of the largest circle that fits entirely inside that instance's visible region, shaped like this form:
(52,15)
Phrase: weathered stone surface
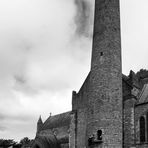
(105,93)
(128,124)
(108,101)
(140,110)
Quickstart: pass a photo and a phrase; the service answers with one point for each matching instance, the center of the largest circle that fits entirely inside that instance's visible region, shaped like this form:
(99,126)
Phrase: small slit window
(101,53)
(99,135)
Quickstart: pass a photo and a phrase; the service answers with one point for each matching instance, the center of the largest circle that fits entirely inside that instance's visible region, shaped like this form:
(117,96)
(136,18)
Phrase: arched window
(147,125)
(142,129)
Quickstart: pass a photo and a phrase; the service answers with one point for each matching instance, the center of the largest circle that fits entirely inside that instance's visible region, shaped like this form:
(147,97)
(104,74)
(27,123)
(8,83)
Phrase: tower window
(101,53)
(99,135)
(142,129)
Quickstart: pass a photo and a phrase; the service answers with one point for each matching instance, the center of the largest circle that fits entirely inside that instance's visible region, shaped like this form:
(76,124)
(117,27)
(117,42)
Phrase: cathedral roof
(143,97)
(57,121)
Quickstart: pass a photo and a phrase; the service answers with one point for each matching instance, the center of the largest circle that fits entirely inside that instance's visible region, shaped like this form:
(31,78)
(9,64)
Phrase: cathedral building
(110,110)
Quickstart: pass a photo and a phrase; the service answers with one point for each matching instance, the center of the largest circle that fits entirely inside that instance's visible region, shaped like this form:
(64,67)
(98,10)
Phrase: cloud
(2,128)
(45,50)
(42,59)
(134,31)
(84,17)
(2,117)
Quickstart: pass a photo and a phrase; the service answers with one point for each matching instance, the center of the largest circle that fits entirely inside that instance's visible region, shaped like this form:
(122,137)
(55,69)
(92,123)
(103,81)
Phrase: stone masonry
(107,109)
(105,94)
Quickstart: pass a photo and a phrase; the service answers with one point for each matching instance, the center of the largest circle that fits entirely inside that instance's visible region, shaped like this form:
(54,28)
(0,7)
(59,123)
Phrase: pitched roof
(57,121)
(143,97)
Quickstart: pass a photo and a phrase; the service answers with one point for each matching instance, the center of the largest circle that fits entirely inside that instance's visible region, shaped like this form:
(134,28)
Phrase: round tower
(105,93)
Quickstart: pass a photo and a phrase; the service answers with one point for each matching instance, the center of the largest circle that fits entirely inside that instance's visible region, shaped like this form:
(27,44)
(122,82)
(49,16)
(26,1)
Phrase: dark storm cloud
(84,17)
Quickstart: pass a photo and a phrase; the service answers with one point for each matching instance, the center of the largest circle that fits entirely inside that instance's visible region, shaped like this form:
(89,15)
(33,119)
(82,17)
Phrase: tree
(25,142)
(7,142)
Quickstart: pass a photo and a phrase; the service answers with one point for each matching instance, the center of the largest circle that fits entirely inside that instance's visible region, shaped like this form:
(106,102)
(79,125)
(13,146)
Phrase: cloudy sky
(45,50)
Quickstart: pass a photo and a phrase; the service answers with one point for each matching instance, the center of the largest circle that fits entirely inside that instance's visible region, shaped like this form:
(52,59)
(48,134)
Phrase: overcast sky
(45,50)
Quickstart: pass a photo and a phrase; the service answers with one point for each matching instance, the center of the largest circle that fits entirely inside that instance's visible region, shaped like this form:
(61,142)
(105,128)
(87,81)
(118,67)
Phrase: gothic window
(147,125)
(142,129)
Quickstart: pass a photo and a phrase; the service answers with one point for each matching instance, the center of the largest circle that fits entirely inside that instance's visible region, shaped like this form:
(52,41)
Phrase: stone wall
(99,101)
(128,123)
(72,130)
(81,128)
(80,105)
(80,99)
(105,93)
(140,110)
(65,145)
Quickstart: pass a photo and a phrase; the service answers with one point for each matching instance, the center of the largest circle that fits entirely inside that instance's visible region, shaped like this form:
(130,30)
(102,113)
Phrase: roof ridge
(54,121)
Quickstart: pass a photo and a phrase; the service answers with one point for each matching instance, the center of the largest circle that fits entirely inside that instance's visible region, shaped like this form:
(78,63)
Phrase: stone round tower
(105,90)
